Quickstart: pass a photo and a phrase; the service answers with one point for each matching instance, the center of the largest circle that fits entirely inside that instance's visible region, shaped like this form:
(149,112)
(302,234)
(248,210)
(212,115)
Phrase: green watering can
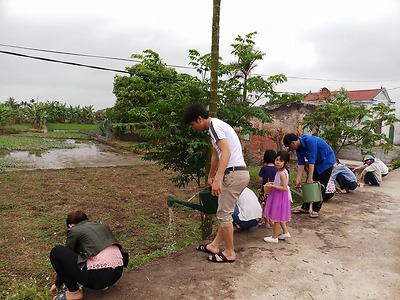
(310,192)
(208,201)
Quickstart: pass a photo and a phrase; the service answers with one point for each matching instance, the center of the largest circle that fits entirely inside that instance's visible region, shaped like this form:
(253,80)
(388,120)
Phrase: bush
(396,164)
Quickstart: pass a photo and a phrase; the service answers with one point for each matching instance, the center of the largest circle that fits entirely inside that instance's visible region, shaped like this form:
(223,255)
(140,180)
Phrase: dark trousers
(369,178)
(323,178)
(345,184)
(64,262)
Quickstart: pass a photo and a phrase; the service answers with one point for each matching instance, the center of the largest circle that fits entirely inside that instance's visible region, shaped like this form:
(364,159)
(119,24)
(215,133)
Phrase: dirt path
(351,252)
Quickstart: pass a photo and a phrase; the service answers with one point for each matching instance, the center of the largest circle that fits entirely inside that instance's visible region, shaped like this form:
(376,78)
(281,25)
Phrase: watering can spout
(209,203)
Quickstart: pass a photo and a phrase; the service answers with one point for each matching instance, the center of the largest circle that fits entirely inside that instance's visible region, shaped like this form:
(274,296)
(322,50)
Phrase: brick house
(287,117)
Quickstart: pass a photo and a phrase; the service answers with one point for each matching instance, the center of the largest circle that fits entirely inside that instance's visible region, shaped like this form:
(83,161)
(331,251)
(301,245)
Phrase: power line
(85,55)
(63,62)
(170,65)
(337,80)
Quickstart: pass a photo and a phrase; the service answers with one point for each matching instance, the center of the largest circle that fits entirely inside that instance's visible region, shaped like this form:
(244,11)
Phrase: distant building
(368,98)
(287,117)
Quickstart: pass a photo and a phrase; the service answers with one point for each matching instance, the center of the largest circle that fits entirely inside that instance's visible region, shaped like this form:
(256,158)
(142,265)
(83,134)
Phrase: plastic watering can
(310,192)
(209,203)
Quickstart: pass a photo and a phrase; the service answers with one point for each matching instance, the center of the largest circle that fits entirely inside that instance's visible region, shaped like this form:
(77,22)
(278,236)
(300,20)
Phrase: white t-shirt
(220,130)
(382,166)
(249,207)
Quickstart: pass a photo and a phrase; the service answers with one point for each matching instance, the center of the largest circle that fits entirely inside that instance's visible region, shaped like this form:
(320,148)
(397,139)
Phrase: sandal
(314,214)
(300,211)
(222,258)
(61,296)
(203,248)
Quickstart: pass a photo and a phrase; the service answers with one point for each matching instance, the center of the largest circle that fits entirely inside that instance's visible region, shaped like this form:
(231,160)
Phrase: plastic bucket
(209,202)
(311,192)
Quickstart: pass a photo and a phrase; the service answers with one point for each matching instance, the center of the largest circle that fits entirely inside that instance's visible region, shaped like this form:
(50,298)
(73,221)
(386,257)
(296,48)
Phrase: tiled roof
(359,95)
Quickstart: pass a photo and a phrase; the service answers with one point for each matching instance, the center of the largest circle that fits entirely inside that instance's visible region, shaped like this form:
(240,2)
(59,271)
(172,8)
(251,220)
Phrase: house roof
(358,95)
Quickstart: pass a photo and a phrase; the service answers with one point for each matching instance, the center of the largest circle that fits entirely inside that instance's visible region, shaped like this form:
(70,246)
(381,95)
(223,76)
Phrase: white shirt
(249,207)
(382,166)
(220,130)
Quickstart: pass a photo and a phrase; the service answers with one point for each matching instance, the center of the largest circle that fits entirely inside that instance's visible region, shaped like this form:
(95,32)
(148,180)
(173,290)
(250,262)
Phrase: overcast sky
(353,44)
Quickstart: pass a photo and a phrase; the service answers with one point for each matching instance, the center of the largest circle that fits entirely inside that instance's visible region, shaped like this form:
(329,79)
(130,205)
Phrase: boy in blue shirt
(321,159)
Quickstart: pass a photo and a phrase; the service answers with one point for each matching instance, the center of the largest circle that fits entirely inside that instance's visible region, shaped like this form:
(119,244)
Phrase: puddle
(87,154)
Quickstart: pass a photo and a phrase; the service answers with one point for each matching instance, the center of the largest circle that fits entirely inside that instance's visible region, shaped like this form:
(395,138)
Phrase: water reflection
(87,154)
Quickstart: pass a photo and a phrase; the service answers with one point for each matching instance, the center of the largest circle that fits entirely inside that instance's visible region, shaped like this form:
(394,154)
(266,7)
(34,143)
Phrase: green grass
(17,127)
(16,142)
(57,135)
(68,127)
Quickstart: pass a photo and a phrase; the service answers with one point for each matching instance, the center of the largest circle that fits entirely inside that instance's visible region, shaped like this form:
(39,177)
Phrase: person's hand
(216,187)
(297,184)
(53,289)
(310,180)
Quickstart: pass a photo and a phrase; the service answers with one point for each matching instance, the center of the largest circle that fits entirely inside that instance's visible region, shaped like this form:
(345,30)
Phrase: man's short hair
(194,111)
(289,138)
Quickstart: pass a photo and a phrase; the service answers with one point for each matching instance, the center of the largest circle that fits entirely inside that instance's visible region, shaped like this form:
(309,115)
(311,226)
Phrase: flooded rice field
(87,154)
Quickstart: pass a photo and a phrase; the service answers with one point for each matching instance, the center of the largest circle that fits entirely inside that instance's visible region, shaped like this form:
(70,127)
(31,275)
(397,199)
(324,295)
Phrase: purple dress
(278,204)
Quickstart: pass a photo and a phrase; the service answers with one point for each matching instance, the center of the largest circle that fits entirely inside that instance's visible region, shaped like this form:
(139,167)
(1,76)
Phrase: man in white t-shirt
(228,176)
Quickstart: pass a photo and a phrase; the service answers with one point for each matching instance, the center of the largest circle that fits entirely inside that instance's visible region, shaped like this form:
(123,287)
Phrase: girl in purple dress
(279,204)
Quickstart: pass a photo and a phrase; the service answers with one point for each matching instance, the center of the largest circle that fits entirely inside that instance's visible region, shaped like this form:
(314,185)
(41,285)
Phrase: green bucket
(209,202)
(311,192)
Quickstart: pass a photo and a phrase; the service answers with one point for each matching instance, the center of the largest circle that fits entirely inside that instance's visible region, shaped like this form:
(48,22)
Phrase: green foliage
(341,123)
(153,99)
(286,98)
(396,164)
(39,113)
(150,81)
(6,114)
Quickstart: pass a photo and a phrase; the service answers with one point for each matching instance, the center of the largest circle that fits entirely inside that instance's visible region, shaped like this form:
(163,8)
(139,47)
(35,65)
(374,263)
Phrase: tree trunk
(207,220)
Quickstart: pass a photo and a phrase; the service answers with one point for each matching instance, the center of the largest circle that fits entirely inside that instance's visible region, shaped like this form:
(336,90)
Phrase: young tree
(341,123)
(152,101)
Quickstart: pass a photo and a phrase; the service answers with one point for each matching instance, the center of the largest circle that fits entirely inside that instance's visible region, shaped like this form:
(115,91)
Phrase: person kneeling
(247,211)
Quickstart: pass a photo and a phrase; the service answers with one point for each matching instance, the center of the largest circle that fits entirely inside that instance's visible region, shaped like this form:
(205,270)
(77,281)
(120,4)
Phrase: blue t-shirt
(316,151)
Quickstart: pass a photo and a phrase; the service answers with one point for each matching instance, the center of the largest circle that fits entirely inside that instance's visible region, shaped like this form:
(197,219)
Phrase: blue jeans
(243,224)
(345,184)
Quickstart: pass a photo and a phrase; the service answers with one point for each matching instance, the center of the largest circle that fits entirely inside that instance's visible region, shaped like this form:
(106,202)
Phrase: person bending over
(91,257)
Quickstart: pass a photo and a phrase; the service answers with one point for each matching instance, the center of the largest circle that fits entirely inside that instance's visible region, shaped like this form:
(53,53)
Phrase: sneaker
(270,239)
(284,236)
(262,223)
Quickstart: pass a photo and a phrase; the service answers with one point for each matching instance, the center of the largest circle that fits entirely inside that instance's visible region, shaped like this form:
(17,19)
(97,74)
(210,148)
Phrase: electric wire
(138,61)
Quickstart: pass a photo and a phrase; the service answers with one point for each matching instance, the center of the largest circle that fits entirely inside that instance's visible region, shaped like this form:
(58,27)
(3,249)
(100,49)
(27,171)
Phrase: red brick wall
(286,119)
